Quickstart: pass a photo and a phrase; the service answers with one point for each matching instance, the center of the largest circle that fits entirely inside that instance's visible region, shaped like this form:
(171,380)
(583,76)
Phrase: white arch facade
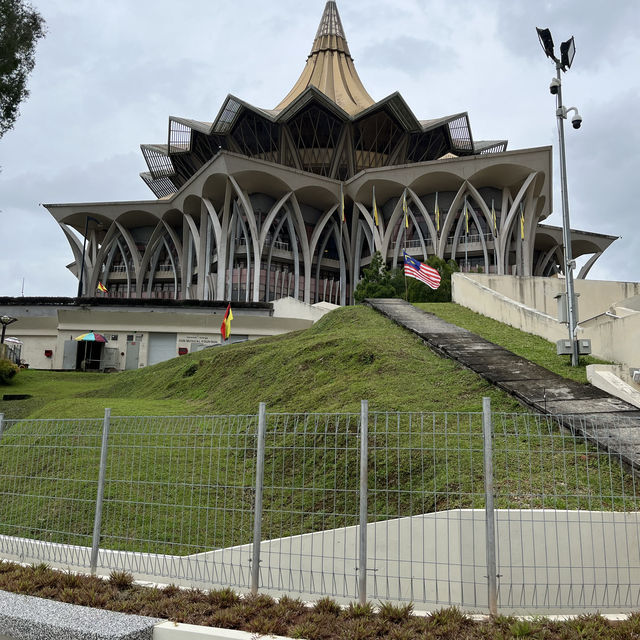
(250,230)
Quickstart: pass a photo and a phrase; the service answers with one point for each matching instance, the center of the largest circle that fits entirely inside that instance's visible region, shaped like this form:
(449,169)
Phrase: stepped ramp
(605,420)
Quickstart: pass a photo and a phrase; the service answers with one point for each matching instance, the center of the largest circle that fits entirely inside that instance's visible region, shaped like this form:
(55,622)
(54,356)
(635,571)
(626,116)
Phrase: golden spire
(330,67)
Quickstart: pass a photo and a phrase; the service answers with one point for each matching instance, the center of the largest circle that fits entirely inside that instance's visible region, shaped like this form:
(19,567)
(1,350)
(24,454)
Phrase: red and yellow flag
(102,288)
(225,327)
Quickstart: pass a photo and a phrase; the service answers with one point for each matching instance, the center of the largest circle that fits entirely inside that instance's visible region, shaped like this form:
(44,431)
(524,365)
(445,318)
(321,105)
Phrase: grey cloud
(409,55)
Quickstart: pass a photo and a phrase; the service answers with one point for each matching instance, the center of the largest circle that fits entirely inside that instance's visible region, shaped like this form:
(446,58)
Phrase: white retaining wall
(529,304)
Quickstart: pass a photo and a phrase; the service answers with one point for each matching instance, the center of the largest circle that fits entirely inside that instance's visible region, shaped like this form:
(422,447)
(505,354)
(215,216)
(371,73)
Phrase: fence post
(97,522)
(487,433)
(364,468)
(257,516)
(1,425)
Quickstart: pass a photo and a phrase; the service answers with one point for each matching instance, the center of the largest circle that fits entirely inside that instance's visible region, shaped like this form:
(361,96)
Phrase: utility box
(584,347)
(563,312)
(563,348)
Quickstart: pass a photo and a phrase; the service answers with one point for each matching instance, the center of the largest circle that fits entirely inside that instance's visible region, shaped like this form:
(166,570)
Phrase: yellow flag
(495,221)
(404,208)
(375,208)
(437,214)
(466,215)
(342,217)
(521,225)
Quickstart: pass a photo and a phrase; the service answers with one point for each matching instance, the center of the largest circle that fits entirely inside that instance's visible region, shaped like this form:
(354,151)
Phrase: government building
(292,201)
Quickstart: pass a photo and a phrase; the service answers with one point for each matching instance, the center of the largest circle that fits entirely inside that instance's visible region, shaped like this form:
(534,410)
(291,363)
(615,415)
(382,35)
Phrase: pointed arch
(74,243)
(511,217)
(450,219)
(368,217)
(586,267)
(253,235)
(238,224)
(402,230)
(298,222)
(363,234)
(107,241)
(427,218)
(544,259)
(215,230)
(150,258)
(319,228)
(271,216)
(195,234)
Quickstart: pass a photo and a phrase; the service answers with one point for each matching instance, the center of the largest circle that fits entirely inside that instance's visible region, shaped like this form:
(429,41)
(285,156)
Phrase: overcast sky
(110,72)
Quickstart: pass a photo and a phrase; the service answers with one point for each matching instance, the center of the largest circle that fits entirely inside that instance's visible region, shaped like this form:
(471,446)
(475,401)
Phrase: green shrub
(8,371)
(376,281)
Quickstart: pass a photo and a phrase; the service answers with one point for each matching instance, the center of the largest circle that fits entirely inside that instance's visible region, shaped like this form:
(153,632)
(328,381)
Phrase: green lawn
(353,353)
(187,482)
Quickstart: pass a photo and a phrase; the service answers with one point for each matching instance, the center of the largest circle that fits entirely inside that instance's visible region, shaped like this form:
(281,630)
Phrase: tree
(21,26)
(376,281)
(379,282)
(420,292)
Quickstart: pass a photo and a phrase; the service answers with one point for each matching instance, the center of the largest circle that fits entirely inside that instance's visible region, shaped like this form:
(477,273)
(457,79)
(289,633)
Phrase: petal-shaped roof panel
(330,67)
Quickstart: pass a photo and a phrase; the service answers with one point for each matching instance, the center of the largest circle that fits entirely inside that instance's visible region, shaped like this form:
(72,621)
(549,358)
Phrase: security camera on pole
(567,52)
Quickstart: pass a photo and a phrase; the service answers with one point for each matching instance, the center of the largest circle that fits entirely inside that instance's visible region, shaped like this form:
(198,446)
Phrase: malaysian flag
(420,271)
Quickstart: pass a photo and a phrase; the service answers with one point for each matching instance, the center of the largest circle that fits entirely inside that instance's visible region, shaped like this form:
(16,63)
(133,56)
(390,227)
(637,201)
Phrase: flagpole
(406,227)
(466,236)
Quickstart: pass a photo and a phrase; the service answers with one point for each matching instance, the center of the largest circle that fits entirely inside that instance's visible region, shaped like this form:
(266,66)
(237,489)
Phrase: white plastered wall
(529,304)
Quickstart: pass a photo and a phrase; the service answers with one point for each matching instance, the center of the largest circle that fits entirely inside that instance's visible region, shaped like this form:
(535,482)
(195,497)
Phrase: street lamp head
(546,41)
(567,52)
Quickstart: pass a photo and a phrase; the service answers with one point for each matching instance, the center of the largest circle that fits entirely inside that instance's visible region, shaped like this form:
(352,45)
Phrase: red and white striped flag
(420,271)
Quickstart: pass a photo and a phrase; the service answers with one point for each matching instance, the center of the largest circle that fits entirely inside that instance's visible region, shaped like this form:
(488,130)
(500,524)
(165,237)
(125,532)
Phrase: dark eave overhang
(197,125)
(231,110)
(157,158)
(395,105)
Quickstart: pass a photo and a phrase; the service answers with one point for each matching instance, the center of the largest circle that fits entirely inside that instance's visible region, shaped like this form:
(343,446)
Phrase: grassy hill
(174,468)
(351,354)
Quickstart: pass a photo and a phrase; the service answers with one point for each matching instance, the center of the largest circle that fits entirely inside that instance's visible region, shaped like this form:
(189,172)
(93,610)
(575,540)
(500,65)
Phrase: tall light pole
(567,52)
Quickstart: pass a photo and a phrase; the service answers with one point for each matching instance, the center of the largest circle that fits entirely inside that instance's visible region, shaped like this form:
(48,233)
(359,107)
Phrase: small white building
(139,332)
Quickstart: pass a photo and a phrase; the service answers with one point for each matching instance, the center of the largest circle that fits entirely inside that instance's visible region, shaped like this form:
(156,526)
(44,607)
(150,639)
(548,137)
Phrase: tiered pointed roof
(327,124)
(330,67)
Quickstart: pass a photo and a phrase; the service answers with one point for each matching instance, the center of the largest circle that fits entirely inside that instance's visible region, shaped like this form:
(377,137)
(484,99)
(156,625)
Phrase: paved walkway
(604,419)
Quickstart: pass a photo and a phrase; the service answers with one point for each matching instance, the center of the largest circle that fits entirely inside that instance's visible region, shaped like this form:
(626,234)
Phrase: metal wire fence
(505,511)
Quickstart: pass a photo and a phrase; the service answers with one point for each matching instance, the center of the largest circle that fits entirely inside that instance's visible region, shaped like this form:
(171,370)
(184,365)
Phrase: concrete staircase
(607,421)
